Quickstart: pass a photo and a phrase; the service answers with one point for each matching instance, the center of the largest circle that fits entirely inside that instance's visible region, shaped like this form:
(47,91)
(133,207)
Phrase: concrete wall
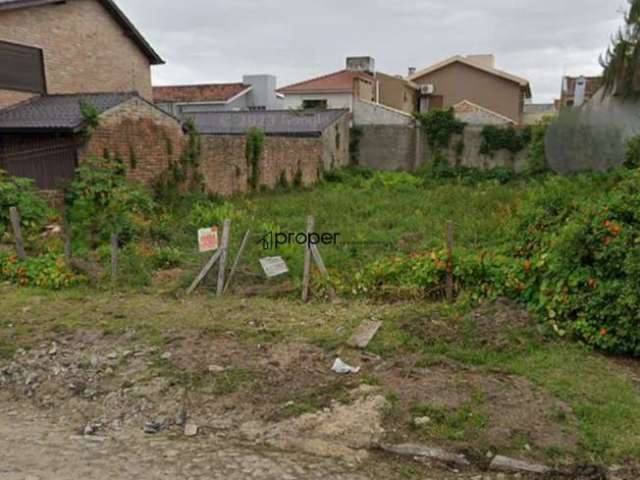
(369,113)
(143,136)
(457,82)
(405,147)
(85,50)
(335,141)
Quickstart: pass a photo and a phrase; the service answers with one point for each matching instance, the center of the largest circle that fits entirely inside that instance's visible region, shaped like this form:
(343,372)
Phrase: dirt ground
(108,403)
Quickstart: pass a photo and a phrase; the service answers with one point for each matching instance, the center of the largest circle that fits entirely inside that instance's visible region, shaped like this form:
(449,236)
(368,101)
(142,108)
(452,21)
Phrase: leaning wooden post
(224,246)
(114,258)
(323,270)
(17,232)
(243,245)
(449,285)
(307,260)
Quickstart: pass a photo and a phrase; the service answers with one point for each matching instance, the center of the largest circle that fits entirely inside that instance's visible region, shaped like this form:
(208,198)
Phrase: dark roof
(213,92)
(56,113)
(112,8)
(272,122)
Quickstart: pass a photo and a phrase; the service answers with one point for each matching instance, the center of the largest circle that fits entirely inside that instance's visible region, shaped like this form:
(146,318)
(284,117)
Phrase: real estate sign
(208,239)
(274,266)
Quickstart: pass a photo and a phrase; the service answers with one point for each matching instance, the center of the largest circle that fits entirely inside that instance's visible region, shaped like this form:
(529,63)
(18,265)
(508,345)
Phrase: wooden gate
(50,160)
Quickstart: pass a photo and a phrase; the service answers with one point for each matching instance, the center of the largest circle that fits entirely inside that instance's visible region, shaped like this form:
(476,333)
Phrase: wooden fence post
(224,247)
(203,273)
(114,258)
(449,285)
(17,232)
(243,245)
(323,270)
(307,260)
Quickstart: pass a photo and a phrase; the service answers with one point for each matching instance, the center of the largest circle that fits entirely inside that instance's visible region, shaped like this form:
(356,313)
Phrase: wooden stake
(449,285)
(224,247)
(17,232)
(323,270)
(114,258)
(243,245)
(203,273)
(307,261)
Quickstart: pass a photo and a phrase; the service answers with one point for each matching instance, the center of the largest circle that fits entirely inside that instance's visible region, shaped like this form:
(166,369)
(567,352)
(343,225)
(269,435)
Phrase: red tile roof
(338,82)
(215,92)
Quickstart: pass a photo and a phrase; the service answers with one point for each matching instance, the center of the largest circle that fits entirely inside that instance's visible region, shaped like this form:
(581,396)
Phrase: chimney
(486,61)
(412,71)
(361,64)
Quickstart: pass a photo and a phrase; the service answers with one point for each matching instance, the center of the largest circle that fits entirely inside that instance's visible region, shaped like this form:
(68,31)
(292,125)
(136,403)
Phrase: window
(314,105)
(21,68)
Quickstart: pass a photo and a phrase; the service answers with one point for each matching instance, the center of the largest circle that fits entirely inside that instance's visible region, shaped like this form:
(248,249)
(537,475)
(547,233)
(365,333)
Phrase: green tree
(621,62)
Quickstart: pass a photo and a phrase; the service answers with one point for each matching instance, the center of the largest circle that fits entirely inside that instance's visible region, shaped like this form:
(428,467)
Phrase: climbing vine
(253,153)
(440,126)
(496,138)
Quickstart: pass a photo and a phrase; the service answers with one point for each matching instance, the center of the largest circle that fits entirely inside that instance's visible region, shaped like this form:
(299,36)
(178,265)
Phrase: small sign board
(208,239)
(274,266)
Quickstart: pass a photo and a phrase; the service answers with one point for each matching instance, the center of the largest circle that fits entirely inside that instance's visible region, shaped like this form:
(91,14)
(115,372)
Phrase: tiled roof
(56,112)
(338,82)
(215,92)
(111,7)
(272,122)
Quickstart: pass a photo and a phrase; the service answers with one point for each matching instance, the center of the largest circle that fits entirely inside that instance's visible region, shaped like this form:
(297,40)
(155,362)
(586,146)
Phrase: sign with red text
(208,239)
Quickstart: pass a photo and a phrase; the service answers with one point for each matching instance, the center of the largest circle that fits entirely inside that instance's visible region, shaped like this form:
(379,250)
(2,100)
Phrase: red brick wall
(85,50)
(144,137)
(225,168)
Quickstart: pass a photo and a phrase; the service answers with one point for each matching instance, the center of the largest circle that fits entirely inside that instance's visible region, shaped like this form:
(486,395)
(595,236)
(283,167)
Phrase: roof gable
(524,83)
(111,7)
(214,92)
(337,82)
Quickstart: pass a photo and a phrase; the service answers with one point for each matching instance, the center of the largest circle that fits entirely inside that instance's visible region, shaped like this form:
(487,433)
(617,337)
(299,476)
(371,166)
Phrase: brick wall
(226,171)
(143,136)
(9,97)
(85,50)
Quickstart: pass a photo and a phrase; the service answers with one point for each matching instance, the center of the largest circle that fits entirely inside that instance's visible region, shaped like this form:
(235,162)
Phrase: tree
(621,62)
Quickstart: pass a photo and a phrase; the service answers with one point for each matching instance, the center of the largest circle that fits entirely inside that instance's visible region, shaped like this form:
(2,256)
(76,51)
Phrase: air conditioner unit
(427,89)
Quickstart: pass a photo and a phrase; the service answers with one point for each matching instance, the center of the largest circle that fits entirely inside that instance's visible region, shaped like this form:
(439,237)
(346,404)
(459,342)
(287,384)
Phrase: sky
(211,41)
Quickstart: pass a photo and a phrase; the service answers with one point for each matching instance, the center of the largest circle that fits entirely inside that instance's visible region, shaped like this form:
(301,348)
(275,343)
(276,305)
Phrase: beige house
(70,47)
(469,82)
(397,92)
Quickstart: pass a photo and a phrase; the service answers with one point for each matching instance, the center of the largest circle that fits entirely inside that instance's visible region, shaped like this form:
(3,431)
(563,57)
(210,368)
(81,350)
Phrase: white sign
(208,239)
(274,266)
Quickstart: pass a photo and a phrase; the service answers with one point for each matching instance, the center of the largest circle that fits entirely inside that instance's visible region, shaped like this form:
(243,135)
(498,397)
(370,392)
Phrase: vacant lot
(257,372)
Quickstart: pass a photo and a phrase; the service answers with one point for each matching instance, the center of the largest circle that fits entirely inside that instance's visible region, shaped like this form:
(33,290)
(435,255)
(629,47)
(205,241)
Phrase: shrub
(253,153)
(100,201)
(46,271)
(496,138)
(439,126)
(537,159)
(21,193)
(204,215)
(632,156)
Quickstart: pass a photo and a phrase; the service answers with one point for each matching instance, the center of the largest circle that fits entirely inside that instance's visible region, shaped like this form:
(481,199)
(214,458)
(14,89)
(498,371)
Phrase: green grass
(461,424)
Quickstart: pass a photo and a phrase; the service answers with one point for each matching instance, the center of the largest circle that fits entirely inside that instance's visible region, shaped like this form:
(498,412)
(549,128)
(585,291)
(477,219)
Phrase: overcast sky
(207,41)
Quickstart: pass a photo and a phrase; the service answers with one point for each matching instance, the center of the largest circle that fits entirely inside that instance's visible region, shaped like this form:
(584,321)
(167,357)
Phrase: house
(576,91)
(338,90)
(75,67)
(70,47)
(255,92)
(396,92)
(473,85)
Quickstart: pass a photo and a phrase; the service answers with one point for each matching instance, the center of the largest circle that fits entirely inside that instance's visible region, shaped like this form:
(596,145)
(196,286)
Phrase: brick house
(60,56)
(74,46)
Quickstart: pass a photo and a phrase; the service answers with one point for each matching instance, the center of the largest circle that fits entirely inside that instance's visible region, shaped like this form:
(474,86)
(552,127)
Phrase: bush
(46,271)
(100,201)
(21,193)
(204,215)
(537,159)
(496,138)
(632,156)
(439,126)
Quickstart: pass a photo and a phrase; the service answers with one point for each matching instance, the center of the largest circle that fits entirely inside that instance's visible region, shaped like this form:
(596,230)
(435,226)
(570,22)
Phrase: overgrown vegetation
(21,193)
(495,138)
(253,153)
(439,126)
